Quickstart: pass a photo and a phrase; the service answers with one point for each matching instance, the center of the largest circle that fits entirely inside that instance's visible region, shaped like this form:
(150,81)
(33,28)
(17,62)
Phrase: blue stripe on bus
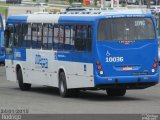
(17,19)
(18,54)
(85,57)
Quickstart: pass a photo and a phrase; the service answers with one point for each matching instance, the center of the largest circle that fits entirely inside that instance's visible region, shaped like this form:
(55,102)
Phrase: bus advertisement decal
(40,61)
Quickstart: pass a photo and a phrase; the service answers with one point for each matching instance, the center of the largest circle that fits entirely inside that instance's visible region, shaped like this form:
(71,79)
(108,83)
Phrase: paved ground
(47,100)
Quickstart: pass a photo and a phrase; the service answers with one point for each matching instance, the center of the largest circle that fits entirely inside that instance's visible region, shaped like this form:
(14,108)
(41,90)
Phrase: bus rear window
(126,29)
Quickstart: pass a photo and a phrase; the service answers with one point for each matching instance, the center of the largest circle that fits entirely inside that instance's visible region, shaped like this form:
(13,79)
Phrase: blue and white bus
(2,47)
(113,52)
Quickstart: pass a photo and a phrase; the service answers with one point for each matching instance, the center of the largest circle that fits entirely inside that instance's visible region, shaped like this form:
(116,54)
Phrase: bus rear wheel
(22,86)
(116,92)
(63,90)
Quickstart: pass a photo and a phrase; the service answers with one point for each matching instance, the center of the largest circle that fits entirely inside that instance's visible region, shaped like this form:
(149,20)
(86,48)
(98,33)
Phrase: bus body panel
(41,67)
(115,59)
(126,61)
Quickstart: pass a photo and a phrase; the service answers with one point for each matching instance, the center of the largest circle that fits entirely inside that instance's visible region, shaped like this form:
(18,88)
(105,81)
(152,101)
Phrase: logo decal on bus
(108,53)
(43,62)
(113,59)
(17,54)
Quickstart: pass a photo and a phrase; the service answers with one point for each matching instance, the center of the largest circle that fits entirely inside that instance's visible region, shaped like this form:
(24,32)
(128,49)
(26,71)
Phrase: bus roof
(71,18)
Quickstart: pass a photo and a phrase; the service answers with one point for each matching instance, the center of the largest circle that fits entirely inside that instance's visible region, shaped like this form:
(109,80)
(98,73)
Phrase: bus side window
(6,37)
(69,37)
(72,37)
(61,37)
(26,35)
(78,40)
(9,37)
(50,36)
(89,40)
(36,36)
(67,43)
(81,38)
(58,32)
(17,35)
(45,36)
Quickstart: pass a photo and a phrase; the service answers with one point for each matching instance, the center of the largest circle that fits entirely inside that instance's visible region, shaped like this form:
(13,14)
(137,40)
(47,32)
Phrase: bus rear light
(154,65)
(98,63)
(153,70)
(101,72)
(99,67)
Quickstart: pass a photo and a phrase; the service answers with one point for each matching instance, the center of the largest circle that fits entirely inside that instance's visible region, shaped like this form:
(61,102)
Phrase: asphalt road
(46,100)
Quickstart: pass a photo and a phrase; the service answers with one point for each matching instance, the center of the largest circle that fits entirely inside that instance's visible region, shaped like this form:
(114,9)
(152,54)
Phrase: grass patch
(3,10)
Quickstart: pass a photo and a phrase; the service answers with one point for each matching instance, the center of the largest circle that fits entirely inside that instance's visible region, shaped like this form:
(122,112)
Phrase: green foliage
(70,1)
(95,2)
(3,10)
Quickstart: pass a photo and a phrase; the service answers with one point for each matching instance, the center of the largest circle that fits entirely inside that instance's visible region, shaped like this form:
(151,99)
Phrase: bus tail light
(101,72)
(99,67)
(154,65)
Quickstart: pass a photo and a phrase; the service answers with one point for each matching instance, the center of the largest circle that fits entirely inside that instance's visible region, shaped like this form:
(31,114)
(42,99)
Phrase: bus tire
(64,92)
(116,92)
(22,86)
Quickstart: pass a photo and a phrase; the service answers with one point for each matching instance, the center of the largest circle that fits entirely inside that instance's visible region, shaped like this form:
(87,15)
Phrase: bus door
(9,42)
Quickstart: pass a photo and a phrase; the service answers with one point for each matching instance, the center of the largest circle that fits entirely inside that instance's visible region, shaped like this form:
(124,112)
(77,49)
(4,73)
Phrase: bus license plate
(127,68)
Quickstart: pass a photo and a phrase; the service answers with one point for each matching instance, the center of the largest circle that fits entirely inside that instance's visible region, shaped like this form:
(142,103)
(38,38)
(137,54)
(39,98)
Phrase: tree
(95,2)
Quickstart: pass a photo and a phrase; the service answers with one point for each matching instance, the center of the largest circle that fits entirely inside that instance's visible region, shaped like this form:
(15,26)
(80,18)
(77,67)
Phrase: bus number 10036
(114,59)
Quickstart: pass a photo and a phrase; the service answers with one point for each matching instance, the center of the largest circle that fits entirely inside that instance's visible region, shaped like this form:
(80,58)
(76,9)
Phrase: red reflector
(97,63)
(154,65)
(99,67)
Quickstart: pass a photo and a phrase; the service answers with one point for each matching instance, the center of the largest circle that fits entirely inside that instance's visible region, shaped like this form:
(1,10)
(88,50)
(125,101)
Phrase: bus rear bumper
(128,82)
